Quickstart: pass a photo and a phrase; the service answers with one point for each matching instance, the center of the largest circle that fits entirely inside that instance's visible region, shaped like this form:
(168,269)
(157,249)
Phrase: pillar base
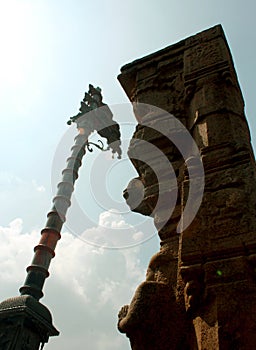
(25,323)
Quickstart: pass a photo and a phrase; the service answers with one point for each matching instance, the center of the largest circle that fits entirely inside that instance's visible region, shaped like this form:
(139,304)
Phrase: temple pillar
(207,267)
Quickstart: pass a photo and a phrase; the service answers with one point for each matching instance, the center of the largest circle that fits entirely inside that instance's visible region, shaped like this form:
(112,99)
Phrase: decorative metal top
(96,115)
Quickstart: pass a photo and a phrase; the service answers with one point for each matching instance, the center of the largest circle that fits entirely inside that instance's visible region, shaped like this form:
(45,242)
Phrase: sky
(50,51)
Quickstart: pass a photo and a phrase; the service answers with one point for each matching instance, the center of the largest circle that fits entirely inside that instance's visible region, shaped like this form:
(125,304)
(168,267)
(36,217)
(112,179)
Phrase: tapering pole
(44,251)
(25,323)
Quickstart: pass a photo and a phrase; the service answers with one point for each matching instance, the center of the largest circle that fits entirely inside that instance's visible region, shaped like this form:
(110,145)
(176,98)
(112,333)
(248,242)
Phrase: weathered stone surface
(200,289)
(154,320)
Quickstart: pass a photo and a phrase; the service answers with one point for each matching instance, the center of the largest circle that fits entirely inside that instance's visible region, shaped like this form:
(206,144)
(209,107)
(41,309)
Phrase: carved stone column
(222,238)
(208,268)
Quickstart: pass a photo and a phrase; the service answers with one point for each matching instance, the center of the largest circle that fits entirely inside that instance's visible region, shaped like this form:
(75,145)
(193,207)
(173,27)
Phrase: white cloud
(113,232)
(86,288)
(15,250)
(39,188)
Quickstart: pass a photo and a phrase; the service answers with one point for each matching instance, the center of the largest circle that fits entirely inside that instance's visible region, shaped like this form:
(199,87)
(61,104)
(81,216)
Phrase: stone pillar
(222,238)
(206,270)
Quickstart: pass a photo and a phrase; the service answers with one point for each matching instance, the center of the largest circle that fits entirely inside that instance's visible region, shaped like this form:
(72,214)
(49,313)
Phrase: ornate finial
(92,100)
(101,121)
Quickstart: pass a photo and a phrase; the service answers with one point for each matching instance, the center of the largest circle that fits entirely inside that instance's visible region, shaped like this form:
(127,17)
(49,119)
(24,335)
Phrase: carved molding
(193,277)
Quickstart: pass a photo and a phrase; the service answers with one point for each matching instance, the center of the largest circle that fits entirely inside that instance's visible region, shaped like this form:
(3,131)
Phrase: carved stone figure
(154,311)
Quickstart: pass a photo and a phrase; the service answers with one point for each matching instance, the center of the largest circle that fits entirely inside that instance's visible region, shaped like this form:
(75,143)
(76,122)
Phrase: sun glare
(15,35)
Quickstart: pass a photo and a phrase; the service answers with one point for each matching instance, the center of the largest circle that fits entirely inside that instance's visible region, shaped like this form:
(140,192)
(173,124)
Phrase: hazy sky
(50,51)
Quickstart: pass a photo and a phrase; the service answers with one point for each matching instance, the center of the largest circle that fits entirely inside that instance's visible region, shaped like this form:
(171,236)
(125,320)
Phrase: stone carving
(134,196)
(210,277)
(204,36)
(193,277)
(154,311)
(204,55)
